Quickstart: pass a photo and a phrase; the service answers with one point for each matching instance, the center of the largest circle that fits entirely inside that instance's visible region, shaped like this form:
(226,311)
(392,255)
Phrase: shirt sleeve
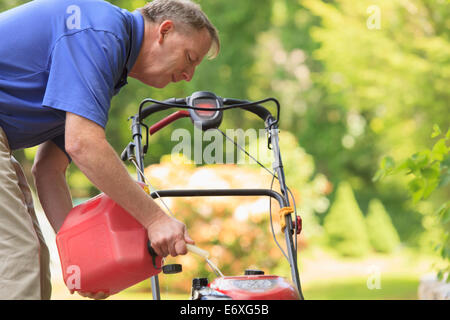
(59,141)
(83,70)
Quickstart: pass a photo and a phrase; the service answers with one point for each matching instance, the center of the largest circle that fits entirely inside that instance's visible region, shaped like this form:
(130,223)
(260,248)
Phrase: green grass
(129,295)
(391,288)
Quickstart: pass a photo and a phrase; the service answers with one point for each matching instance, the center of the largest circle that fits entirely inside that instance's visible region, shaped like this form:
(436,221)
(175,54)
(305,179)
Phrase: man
(61,62)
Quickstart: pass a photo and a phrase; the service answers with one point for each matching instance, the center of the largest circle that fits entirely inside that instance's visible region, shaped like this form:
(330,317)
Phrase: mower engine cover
(255,287)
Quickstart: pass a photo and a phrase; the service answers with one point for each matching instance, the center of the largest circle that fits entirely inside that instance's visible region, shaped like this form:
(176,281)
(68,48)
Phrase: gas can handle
(151,250)
(153,254)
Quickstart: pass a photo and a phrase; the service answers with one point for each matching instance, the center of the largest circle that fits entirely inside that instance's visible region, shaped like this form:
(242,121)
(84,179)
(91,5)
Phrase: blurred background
(365,116)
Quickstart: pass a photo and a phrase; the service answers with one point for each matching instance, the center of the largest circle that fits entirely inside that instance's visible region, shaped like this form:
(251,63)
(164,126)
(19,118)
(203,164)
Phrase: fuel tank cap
(199,282)
(252,272)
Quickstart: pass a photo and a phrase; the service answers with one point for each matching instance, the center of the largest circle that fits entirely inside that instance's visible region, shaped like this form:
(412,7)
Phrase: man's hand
(95,296)
(168,236)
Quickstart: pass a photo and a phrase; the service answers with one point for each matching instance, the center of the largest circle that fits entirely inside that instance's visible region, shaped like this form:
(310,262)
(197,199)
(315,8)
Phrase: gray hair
(186,13)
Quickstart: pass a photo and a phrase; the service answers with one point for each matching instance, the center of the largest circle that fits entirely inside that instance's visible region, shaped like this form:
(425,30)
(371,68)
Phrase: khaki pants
(24,256)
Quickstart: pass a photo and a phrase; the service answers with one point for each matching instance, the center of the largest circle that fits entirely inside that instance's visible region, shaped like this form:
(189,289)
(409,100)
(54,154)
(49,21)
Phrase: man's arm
(49,171)
(85,142)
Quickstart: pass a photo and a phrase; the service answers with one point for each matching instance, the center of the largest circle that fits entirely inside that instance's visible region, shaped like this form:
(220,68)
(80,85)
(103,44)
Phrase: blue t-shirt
(58,56)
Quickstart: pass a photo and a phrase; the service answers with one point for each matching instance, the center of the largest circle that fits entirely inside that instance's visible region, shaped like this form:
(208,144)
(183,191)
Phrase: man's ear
(164,29)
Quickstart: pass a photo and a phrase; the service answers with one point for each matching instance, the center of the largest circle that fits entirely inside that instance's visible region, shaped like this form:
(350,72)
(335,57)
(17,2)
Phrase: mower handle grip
(257,109)
(151,109)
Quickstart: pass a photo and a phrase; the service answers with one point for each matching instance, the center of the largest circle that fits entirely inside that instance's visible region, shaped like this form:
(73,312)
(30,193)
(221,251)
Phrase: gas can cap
(172,268)
(250,272)
(199,282)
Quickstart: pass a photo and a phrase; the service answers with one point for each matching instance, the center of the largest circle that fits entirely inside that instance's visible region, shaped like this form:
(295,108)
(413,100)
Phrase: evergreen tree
(345,224)
(382,233)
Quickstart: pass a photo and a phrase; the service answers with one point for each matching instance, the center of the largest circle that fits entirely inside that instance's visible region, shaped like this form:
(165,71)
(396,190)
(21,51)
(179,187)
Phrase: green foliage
(349,94)
(428,168)
(392,77)
(381,231)
(8,4)
(345,225)
(429,171)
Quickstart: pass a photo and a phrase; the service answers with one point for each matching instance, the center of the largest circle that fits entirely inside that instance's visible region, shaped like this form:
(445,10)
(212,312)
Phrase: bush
(429,171)
(345,225)
(382,233)
(236,230)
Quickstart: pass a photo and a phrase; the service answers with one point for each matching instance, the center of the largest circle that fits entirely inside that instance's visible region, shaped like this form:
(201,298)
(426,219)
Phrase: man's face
(170,55)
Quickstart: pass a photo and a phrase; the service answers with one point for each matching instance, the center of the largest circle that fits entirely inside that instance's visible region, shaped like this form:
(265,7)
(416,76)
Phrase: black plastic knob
(253,272)
(172,268)
(198,283)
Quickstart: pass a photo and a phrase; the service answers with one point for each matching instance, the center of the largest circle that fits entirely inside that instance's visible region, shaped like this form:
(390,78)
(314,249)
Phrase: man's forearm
(100,163)
(49,169)
(54,196)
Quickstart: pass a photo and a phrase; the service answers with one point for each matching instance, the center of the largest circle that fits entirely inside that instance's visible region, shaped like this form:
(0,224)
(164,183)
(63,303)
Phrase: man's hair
(186,13)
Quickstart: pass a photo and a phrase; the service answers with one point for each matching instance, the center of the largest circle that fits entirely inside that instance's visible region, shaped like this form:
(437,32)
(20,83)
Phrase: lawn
(324,277)
(391,287)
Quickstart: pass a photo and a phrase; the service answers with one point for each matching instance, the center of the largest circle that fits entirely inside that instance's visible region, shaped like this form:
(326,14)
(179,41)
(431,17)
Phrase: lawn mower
(122,247)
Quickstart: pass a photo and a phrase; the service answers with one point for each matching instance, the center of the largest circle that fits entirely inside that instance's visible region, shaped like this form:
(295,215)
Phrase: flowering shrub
(236,230)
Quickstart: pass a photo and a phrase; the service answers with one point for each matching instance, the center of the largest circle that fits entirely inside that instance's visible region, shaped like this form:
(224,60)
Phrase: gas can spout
(196,250)
(205,255)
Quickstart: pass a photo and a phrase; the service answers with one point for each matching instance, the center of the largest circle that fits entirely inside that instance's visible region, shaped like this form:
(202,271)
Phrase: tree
(382,233)
(345,225)
(429,175)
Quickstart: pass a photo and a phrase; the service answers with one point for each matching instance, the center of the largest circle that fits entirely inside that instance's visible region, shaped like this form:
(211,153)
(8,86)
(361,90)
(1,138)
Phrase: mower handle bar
(254,107)
(220,193)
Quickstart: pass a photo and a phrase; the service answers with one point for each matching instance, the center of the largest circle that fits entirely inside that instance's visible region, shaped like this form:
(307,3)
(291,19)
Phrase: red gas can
(103,248)
(255,287)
